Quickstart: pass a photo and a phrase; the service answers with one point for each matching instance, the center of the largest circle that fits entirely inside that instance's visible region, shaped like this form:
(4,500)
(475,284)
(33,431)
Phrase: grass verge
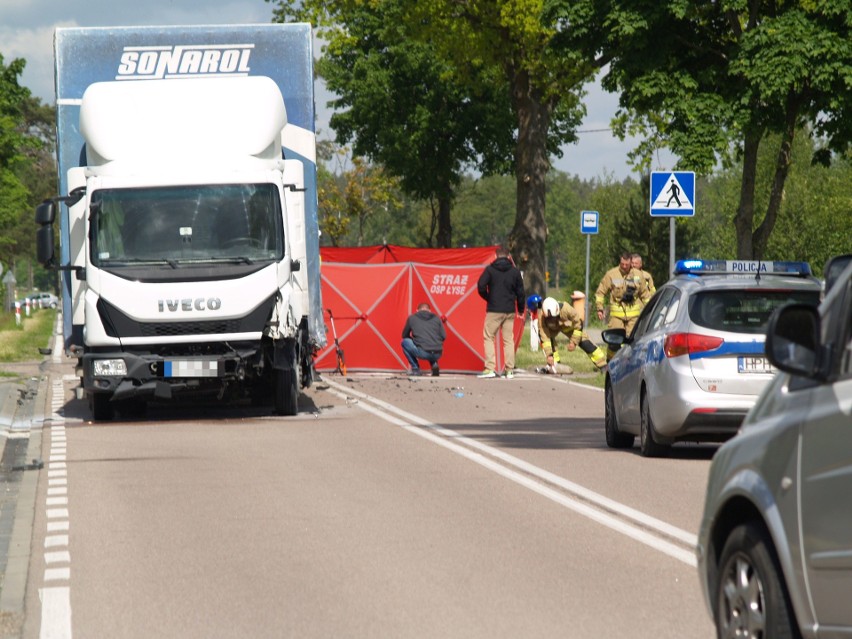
(21,343)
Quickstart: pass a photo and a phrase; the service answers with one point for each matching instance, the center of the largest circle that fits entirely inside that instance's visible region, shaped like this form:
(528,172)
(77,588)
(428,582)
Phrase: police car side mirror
(615,337)
(793,340)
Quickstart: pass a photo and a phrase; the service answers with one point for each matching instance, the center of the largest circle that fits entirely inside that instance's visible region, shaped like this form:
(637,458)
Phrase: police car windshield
(743,311)
(186,224)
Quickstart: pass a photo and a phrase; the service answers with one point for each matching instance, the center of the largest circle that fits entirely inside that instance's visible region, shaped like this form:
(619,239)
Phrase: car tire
(751,598)
(614,437)
(647,445)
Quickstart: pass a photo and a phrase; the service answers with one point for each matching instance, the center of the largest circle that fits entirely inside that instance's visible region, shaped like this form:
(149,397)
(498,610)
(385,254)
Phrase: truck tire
(286,392)
(101,407)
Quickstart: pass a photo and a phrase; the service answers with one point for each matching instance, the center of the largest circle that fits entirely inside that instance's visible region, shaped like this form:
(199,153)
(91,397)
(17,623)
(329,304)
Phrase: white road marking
(452,440)
(54,541)
(58,601)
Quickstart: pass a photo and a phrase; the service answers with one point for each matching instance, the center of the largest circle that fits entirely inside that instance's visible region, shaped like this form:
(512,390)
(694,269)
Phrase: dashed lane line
(55,594)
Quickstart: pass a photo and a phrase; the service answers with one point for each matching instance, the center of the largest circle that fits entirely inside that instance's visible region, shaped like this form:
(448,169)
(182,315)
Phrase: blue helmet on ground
(534,302)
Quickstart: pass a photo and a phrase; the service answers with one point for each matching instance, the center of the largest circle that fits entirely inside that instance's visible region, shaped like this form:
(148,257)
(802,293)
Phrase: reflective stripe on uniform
(617,310)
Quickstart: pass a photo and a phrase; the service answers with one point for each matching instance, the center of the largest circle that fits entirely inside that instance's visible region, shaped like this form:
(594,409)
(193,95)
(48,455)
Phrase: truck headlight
(110,367)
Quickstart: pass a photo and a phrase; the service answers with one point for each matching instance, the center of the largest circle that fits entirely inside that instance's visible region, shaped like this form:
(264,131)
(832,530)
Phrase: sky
(27,26)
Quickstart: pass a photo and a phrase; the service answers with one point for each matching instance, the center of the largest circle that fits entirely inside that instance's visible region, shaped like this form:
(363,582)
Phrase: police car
(694,363)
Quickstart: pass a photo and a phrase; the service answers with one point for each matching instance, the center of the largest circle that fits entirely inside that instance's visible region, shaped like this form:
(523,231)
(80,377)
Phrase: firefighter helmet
(550,307)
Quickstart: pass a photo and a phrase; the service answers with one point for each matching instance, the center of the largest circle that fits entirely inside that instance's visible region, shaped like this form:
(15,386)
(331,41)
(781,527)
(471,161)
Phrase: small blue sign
(672,193)
(589,222)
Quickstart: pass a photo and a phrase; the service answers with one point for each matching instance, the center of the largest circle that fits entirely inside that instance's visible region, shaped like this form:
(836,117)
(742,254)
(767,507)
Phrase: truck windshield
(185,224)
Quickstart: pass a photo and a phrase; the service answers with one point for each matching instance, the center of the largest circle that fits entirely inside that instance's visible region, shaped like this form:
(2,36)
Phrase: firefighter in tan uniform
(562,317)
(627,293)
(649,279)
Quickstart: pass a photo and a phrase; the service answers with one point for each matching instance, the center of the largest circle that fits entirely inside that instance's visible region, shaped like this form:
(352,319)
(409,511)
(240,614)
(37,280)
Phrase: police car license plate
(753,365)
(190,368)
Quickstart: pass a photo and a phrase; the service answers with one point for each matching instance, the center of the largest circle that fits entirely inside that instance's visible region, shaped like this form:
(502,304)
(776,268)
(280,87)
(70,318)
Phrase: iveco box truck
(187,213)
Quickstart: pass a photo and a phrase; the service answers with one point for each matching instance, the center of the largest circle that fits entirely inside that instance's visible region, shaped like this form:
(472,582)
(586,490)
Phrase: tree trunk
(782,167)
(527,238)
(744,219)
(445,228)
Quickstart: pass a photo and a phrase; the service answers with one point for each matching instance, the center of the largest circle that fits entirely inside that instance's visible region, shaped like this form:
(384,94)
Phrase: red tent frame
(372,294)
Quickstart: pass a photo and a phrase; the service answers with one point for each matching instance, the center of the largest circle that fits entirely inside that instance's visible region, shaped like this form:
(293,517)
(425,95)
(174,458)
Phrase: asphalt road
(389,507)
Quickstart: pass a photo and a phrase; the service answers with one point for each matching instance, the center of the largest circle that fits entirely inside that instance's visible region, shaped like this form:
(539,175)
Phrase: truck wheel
(101,407)
(286,392)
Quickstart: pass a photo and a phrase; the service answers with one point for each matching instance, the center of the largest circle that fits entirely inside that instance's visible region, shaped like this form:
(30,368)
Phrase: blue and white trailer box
(189,242)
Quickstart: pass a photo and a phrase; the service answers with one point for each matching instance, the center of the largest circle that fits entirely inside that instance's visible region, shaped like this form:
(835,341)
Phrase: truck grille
(117,324)
(167,329)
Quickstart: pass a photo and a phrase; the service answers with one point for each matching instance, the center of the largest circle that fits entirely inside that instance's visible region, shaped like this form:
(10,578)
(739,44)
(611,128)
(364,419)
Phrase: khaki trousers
(499,322)
(627,323)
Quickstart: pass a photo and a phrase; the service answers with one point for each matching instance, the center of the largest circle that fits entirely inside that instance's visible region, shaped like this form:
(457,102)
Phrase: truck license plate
(754,365)
(190,368)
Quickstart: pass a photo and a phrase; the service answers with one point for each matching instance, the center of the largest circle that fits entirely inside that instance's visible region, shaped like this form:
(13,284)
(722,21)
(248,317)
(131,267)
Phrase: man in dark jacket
(423,338)
(502,287)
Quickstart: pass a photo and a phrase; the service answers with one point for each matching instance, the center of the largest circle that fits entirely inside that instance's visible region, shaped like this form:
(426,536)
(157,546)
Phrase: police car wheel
(614,437)
(647,445)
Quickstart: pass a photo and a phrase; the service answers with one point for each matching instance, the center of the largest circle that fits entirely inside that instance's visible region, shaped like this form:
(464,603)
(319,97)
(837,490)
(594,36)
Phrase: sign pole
(671,245)
(588,253)
(588,227)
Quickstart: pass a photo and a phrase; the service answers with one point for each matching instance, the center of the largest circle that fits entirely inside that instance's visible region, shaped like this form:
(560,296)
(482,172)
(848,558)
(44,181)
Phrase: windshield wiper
(232,259)
(136,261)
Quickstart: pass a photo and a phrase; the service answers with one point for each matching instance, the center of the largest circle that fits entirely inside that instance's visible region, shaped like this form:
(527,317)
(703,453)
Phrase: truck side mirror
(44,244)
(295,265)
(45,212)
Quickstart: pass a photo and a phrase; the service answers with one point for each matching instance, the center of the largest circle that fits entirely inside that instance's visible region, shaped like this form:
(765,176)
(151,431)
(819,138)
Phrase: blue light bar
(741,267)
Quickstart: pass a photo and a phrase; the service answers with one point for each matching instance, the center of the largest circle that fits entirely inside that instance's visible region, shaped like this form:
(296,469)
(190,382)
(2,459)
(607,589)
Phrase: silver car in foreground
(694,364)
(775,541)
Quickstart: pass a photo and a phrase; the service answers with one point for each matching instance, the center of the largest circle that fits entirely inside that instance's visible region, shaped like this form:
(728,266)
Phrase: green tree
(351,199)
(16,141)
(813,222)
(512,38)
(484,210)
(712,80)
(492,52)
(399,106)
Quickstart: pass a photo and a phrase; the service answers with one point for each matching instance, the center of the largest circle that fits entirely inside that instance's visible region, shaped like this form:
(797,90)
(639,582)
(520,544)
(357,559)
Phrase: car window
(673,306)
(647,312)
(742,311)
(846,334)
(661,310)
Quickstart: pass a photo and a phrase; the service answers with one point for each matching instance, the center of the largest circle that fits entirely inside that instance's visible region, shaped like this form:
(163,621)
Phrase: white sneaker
(509,373)
(487,373)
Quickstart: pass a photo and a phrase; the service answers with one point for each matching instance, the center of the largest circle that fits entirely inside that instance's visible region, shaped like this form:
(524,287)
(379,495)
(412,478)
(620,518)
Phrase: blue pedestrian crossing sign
(589,222)
(672,193)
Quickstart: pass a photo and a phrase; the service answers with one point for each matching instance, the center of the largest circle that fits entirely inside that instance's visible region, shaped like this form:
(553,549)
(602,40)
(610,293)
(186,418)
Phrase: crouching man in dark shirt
(423,338)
